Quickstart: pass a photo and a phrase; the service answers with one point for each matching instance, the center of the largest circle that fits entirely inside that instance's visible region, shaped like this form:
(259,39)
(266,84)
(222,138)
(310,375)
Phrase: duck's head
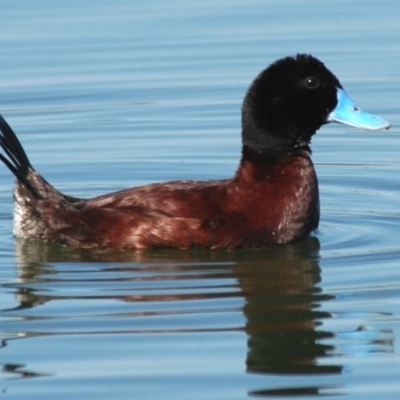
(290,100)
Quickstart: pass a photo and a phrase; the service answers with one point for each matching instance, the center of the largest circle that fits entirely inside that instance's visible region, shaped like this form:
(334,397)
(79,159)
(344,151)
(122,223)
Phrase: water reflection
(281,310)
(279,288)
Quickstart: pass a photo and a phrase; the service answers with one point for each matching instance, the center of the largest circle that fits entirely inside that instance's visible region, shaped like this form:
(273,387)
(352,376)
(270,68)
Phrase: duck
(272,198)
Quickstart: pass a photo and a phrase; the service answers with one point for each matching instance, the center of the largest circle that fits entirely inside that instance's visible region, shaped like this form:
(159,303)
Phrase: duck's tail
(40,210)
(15,158)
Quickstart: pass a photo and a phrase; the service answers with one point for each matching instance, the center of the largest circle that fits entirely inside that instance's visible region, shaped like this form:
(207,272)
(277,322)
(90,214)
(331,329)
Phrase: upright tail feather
(15,157)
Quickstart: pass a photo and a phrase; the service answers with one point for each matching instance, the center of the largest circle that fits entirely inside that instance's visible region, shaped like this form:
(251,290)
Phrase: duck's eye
(311,82)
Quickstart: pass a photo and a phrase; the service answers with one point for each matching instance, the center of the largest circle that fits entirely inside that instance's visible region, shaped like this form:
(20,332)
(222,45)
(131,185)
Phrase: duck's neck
(289,169)
(275,138)
(273,156)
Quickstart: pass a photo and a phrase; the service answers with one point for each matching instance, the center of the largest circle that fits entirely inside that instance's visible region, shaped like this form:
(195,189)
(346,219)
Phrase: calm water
(110,96)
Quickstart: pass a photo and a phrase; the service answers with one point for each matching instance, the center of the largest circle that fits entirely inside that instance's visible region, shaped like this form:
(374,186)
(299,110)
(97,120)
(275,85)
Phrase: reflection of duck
(272,198)
(272,295)
(281,318)
(278,287)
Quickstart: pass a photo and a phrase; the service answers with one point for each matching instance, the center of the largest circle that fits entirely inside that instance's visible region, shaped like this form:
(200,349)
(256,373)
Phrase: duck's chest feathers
(281,197)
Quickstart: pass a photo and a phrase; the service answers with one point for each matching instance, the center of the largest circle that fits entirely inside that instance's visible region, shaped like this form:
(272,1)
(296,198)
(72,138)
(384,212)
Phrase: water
(107,96)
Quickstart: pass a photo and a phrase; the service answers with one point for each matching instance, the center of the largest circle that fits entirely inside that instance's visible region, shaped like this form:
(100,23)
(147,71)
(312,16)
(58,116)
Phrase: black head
(286,104)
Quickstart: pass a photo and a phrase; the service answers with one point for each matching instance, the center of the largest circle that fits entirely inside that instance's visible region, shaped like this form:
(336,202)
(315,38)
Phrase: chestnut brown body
(263,204)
